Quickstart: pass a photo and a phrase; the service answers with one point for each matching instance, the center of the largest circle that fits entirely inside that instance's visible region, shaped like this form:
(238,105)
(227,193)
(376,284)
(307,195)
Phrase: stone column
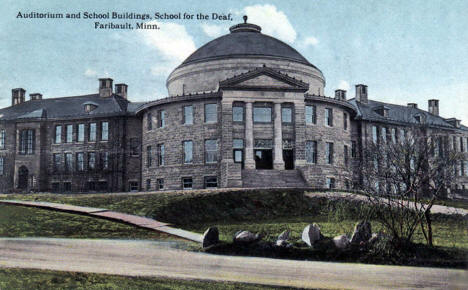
(249,162)
(278,162)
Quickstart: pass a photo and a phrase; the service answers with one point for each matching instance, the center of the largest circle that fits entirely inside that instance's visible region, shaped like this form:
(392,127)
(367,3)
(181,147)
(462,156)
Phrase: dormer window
(418,119)
(90,106)
(382,111)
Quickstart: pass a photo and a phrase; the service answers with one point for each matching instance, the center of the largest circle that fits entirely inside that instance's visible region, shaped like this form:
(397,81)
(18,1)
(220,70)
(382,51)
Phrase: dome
(245,40)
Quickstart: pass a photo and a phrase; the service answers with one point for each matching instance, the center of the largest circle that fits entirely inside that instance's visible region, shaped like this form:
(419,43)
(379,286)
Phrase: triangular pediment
(263,78)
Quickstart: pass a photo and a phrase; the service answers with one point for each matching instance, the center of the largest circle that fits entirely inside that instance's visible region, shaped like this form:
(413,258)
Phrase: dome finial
(245,18)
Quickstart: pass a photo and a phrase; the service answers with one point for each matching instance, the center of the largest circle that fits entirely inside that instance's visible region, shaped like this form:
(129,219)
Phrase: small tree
(403,177)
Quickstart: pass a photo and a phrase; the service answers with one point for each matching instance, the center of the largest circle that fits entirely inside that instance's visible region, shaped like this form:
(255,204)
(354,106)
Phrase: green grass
(41,279)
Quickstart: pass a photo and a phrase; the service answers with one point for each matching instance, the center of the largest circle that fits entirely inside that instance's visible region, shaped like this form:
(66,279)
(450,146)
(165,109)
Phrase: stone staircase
(272,178)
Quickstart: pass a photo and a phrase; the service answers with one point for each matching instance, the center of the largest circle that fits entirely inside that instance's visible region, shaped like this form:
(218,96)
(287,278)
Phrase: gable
(265,81)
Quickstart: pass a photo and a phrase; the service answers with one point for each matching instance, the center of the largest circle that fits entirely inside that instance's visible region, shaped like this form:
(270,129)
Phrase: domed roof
(245,40)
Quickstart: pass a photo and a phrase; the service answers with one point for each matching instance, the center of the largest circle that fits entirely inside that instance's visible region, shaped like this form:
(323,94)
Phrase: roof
(70,107)
(396,114)
(245,40)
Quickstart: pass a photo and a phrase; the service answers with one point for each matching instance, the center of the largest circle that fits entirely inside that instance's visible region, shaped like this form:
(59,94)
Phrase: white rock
(341,242)
(311,234)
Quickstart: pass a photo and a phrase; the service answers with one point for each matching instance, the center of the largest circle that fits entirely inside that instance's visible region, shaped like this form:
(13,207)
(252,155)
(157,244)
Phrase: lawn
(42,279)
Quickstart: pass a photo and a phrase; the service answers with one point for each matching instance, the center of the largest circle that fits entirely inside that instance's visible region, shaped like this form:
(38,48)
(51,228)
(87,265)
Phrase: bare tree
(403,175)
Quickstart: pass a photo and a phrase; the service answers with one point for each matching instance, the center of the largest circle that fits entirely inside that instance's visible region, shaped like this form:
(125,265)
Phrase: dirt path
(147,258)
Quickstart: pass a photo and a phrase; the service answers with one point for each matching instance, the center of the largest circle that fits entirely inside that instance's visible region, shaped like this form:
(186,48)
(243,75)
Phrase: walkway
(139,221)
(148,258)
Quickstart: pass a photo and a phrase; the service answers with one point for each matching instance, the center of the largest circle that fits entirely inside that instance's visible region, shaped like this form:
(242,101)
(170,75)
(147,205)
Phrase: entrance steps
(272,178)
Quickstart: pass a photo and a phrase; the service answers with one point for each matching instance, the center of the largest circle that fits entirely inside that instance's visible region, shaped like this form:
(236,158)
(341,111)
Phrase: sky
(405,51)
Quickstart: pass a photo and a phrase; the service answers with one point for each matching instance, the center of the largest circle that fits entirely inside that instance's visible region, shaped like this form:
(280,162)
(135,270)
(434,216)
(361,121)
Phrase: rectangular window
(104,131)
(55,187)
(393,135)
(211,151)
(346,158)
(462,148)
(69,133)
(162,119)
(67,187)
(2,165)
(345,121)
(91,161)
(134,147)
(461,168)
(353,149)
(80,135)
(238,152)
(375,134)
(286,115)
(188,152)
(27,141)
(187,183)
(311,152)
(58,134)
(92,132)
(454,143)
(384,134)
(466,167)
(103,186)
(329,152)
(2,139)
(238,113)
(211,113)
(160,154)
(262,114)
(329,117)
(149,121)
(80,161)
(104,160)
(133,185)
(57,162)
(160,182)
(311,114)
(68,162)
(188,115)
(211,182)
(148,184)
(149,156)
(330,182)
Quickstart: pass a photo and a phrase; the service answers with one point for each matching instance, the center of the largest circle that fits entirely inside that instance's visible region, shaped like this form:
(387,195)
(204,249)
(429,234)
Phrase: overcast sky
(405,51)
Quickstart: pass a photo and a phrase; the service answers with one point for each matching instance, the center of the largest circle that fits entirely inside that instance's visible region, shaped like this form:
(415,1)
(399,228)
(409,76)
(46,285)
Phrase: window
(92,132)
(187,183)
(188,115)
(162,119)
(27,140)
(374,134)
(211,113)
(462,148)
(461,168)
(160,183)
(69,134)
(148,184)
(80,133)
(330,182)
(55,187)
(417,118)
(160,154)
(57,162)
(262,114)
(134,147)
(149,121)
(329,117)
(80,161)
(211,151)
(393,135)
(353,149)
(68,162)
(149,156)
(133,185)
(211,182)
(346,158)
(311,152)
(58,134)
(104,160)
(311,114)
(384,134)
(67,186)
(286,115)
(104,131)
(2,165)
(102,186)
(466,167)
(329,152)
(2,139)
(238,113)
(454,143)
(238,150)
(466,143)
(91,161)
(91,186)
(345,121)
(188,152)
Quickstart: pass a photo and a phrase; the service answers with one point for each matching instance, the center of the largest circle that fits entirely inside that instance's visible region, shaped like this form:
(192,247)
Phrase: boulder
(284,235)
(311,234)
(362,233)
(210,237)
(341,242)
(246,237)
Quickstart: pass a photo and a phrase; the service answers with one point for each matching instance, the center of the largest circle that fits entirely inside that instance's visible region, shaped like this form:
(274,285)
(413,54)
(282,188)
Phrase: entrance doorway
(288,157)
(23,176)
(263,159)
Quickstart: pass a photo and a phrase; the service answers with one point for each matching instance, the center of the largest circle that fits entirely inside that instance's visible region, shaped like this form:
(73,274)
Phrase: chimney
(433,107)
(105,88)
(361,93)
(121,90)
(340,95)
(17,96)
(412,105)
(35,96)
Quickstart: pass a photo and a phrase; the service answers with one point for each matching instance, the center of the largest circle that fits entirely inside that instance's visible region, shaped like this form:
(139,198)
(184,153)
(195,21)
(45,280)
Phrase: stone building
(244,110)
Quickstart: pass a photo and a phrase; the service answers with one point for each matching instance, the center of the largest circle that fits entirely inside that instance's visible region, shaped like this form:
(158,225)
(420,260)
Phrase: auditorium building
(244,110)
